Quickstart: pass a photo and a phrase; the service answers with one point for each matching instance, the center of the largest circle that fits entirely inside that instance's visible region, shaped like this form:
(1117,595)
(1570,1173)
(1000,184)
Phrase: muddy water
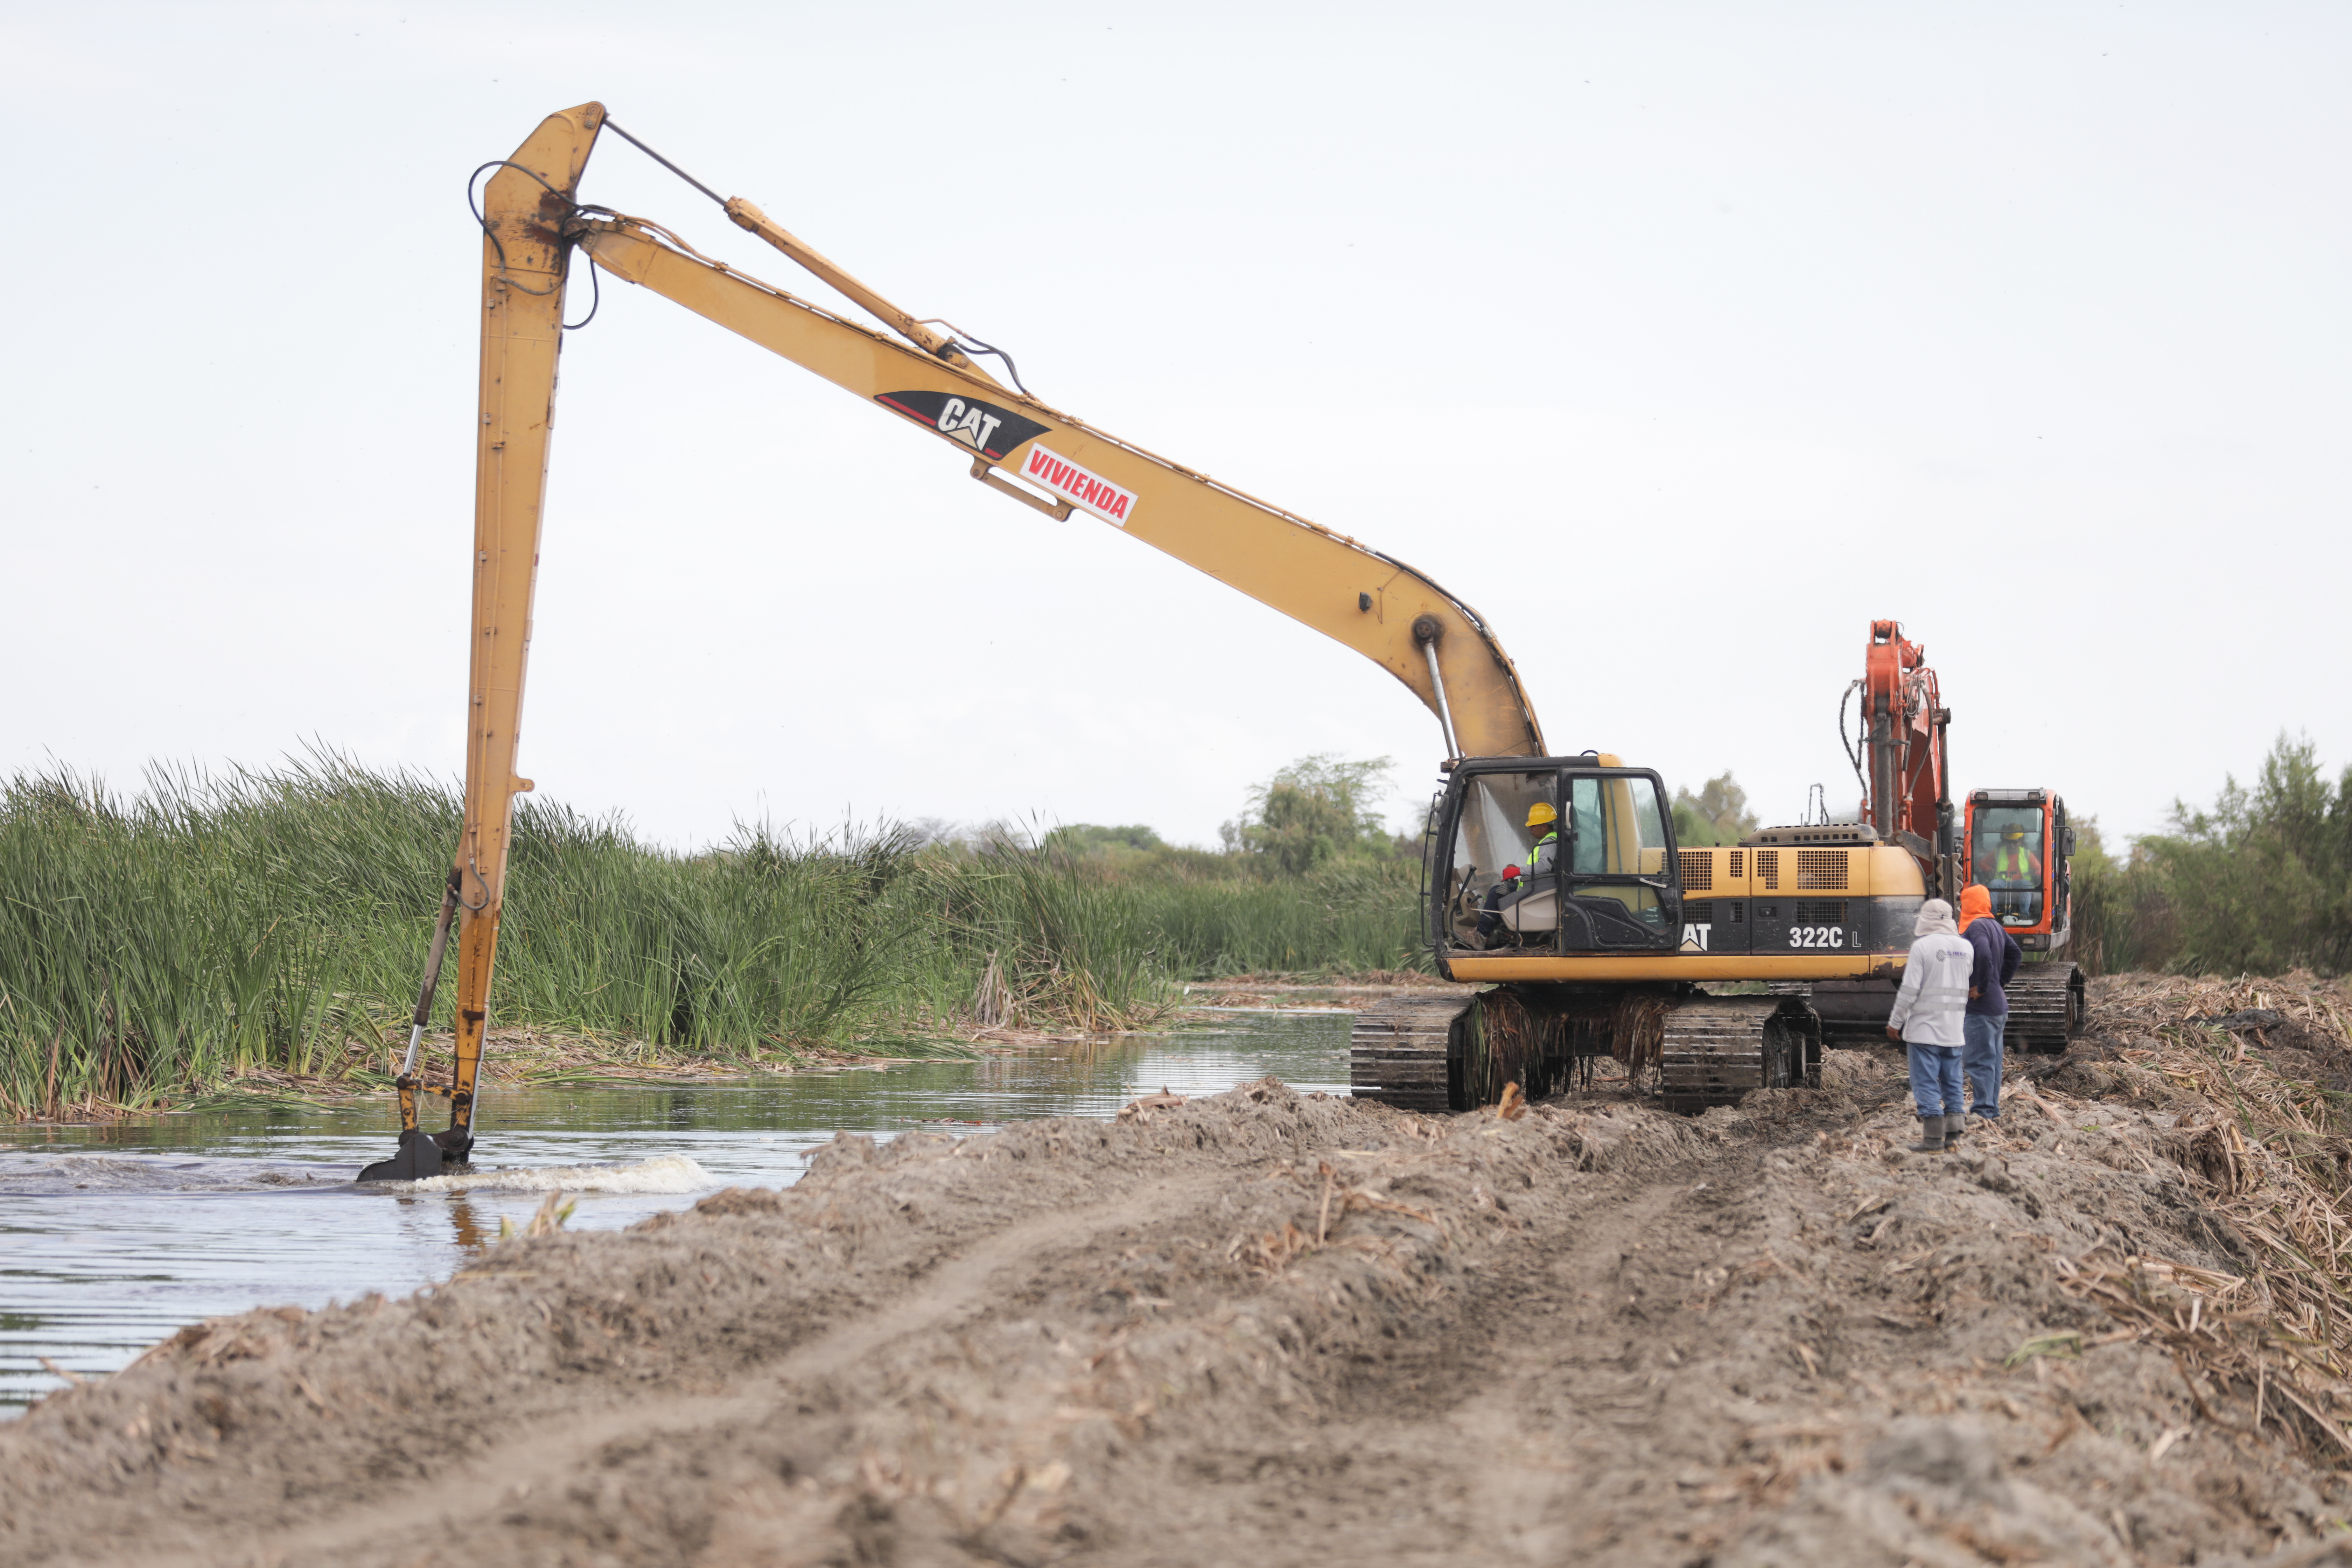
(112,1237)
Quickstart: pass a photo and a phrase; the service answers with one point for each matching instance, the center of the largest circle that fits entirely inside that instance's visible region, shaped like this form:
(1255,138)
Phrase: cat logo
(983,426)
(970,422)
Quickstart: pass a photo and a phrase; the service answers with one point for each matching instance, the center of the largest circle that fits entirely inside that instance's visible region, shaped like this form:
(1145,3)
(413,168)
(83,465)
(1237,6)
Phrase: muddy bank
(1269,1327)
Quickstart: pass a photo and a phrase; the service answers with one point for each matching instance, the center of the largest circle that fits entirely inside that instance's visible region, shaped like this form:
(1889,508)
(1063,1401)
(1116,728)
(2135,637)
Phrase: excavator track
(1402,1051)
(1413,1052)
(2047,1008)
(1854,1012)
(1716,1048)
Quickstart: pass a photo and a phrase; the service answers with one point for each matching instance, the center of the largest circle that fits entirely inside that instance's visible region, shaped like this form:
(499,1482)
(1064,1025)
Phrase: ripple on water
(132,1173)
(667,1173)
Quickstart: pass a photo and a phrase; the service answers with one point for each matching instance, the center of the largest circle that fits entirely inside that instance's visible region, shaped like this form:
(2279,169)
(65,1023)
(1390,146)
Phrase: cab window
(1493,832)
(1618,828)
(1618,847)
(2006,857)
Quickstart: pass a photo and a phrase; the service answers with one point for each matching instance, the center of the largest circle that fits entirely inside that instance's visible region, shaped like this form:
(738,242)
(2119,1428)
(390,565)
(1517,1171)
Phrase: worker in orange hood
(1996,958)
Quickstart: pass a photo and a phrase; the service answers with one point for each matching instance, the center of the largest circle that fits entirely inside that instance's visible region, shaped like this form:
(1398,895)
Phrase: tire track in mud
(1261,1328)
(555,1448)
(1049,1348)
(1452,1442)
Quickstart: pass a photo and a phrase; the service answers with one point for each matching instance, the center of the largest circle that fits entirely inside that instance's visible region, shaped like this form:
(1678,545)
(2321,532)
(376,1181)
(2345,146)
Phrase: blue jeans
(1980,1057)
(1936,1079)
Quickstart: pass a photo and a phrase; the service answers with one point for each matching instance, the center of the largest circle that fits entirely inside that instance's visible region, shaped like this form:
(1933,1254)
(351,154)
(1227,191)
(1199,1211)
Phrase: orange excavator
(1899,745)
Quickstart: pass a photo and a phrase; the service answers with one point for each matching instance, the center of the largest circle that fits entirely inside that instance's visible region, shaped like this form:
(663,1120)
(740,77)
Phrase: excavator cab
(2020,850)
(1595,872)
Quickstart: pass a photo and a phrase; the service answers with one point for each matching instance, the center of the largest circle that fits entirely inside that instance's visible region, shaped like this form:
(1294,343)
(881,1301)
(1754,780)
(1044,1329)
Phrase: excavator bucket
(419,1157)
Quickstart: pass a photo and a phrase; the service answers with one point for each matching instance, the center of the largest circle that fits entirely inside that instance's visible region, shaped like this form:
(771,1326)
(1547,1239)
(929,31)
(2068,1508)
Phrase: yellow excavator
(1553,887)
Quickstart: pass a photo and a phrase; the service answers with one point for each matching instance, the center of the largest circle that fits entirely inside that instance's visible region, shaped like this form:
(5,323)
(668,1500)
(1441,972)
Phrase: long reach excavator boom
(532,221)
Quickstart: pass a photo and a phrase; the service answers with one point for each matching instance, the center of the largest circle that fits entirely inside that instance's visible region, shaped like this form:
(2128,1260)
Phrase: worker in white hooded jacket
(1928,1020)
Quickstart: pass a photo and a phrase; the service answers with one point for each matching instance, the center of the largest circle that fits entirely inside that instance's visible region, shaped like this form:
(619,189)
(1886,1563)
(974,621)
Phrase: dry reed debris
(2264,1066)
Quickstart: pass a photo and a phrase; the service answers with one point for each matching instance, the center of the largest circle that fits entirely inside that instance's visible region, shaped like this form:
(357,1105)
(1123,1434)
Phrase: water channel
(113,1236)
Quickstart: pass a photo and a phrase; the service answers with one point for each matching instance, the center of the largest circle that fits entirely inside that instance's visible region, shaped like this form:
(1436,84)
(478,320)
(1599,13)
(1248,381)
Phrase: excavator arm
(1385,610)
(525,206)
(531,220)
(1904,744)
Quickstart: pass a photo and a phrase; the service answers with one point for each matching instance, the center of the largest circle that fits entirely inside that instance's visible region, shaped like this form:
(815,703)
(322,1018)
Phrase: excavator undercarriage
(1689,1049)
(2047,1008)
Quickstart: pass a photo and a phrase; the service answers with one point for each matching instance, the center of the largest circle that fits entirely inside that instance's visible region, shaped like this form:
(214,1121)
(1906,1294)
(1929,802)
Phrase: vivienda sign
(1098,495)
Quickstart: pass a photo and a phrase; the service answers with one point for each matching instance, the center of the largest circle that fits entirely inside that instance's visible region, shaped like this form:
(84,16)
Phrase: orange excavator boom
(1902,753)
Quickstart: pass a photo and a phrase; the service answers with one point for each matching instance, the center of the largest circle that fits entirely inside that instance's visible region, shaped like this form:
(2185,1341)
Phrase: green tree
(1315,811)
(1718,814)
(2257,883)
(1118,847)
(2112,914)
(1115,843)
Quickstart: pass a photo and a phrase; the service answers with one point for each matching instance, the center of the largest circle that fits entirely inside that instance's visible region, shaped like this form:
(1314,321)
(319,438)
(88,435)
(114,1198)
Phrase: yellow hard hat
(1541,812)
(2012,832)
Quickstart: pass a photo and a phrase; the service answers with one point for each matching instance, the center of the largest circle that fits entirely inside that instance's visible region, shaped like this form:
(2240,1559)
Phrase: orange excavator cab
(2019,849)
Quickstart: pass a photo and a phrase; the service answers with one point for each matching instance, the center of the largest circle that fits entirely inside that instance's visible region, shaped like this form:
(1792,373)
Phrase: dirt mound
(1274,1328)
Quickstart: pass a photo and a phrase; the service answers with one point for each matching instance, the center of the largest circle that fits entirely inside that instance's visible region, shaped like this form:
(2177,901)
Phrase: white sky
(1679,340)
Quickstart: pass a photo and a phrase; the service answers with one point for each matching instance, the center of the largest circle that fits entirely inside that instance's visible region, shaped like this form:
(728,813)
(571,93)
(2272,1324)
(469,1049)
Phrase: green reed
(156,942)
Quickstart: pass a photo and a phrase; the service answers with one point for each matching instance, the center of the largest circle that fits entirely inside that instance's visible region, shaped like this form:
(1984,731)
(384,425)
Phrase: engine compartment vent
(1823,869)
(1856,833)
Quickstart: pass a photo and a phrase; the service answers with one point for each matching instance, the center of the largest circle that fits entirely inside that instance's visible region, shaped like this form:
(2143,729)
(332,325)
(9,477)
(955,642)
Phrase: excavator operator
(1540,857)
(2016,879)
(2014,864)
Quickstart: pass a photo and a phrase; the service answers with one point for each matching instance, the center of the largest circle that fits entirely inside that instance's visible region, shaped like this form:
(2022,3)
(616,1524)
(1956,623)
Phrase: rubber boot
(1954,1127)
(1931,1136)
